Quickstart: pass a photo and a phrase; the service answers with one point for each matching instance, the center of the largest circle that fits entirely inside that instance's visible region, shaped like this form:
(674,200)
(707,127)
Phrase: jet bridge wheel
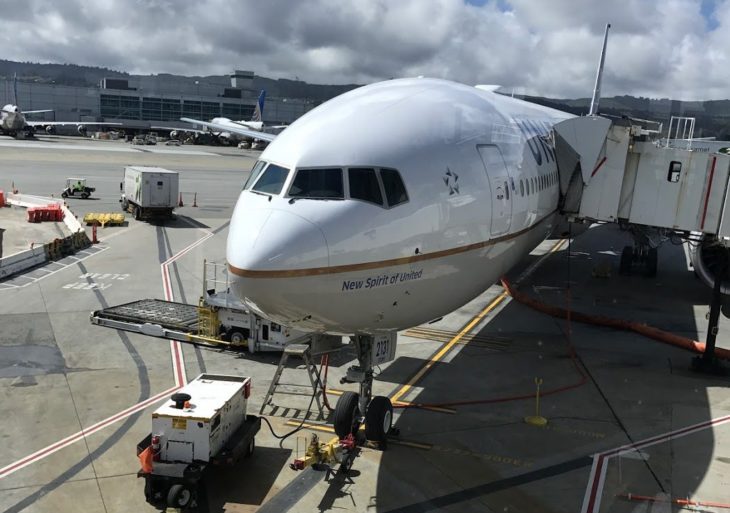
(346,414)
(378,419)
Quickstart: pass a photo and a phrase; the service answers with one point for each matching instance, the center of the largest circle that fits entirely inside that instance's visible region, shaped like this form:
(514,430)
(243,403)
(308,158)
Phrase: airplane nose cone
(274,240)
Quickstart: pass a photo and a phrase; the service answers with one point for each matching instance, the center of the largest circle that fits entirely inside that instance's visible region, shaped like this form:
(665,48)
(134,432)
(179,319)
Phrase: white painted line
(61,267)
(597,477)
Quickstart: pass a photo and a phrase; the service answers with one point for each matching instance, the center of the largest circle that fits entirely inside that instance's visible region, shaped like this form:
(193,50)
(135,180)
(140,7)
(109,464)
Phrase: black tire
(125,205)
(627,257)
(346,411)
(378,419)
(237,337)
(179,496)
(84,195)
(136,212)
(64,194)
(251,448)
(652,263)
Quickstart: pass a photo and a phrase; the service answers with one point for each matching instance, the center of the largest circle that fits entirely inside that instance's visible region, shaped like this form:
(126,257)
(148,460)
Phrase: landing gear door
(502,188)
(383,349)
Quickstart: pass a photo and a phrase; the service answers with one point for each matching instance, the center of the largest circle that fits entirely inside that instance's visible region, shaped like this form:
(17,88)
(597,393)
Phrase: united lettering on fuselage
(537,137)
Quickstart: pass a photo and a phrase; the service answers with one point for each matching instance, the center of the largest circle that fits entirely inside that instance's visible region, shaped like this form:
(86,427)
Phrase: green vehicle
(76,188)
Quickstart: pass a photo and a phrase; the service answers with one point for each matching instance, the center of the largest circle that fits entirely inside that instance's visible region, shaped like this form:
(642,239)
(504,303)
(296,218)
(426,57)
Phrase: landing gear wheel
(378,419)
(652,258)
(346,411)
(627,257)
(179,496)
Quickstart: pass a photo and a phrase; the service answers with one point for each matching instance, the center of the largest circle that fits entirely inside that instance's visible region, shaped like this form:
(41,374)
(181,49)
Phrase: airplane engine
(50,129)
(708,258)
(81,129)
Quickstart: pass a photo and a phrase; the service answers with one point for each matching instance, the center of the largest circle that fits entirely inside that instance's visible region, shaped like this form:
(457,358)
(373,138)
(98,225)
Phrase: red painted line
(598,167)
(46,451)
(178,371)
(596,477)
(707,196)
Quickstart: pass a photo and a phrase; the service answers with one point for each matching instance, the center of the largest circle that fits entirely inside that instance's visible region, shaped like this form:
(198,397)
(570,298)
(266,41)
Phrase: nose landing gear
(354,409)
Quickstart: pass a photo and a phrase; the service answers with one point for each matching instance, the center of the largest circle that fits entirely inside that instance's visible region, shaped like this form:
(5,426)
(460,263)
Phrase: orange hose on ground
(680,502)
(619,324)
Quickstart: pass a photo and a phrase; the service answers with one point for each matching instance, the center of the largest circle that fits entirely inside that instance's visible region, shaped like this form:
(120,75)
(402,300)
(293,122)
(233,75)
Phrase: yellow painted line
(330,429)
(444,350)
(307,425)
(415,445)
(440,409)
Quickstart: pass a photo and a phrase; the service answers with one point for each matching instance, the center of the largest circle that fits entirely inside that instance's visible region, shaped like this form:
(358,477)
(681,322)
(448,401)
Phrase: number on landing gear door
(384,347)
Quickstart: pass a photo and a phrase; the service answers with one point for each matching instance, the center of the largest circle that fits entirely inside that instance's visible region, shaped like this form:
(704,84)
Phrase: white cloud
(658,48)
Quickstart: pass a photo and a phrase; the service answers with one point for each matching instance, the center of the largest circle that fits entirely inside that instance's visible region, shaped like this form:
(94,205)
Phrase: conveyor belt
(168,314)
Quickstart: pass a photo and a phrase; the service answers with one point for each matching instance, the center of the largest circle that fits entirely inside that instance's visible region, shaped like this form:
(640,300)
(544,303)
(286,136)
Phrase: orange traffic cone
(195,200)
(180,202)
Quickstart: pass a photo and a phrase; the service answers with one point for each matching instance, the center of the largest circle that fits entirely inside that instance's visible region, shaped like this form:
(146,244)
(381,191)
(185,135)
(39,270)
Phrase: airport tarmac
(62,378)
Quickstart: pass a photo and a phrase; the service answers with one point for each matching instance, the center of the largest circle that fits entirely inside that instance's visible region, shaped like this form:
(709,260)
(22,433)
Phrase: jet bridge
(622,171)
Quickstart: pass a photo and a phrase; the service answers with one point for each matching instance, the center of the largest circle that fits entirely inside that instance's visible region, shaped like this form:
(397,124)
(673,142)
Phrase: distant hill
(712,116)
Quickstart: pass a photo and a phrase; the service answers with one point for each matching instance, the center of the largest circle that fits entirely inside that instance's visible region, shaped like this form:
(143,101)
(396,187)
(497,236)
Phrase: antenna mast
(599,76)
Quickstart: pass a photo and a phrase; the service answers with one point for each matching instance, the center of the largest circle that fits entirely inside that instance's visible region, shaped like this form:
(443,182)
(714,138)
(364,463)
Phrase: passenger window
(318,183)
(272,180)
(364,185)
(395,191)
(255,172)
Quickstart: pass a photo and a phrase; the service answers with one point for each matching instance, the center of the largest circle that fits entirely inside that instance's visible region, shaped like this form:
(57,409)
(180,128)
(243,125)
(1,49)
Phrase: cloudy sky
(657,48)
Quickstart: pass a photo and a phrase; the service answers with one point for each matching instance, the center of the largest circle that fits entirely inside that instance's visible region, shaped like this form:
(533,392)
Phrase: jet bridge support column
(707,362)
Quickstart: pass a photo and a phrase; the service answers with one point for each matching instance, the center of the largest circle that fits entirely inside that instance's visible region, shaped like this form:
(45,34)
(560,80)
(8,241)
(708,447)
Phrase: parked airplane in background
(227,129)
(14,123)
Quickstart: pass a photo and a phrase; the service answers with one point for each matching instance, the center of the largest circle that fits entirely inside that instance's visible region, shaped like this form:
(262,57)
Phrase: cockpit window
(364,185)
(272,180)
(395,191)
(318,183)
(255,172)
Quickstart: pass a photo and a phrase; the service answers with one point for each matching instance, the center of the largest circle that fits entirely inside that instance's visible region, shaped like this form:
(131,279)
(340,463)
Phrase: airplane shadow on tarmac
(620,388)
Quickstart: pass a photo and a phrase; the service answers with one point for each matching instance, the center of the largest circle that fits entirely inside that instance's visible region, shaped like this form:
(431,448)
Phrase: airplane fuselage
(481,191)
(12,119)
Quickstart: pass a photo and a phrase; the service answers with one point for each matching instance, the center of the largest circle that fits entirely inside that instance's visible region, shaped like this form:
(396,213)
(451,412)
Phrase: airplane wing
(69,123)
(253,134)
(36,111)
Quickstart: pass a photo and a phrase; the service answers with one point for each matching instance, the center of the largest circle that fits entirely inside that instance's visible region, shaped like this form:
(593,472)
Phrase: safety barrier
(52,212)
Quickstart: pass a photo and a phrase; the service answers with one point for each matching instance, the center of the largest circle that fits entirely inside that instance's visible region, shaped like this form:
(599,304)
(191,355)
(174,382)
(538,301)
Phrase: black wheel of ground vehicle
(346,411)
(64,194)
(84,195)
(652,262)
(251,447)
(378,419)
(125,205)
(236,337)
(137,212)
(627,256)
(179,496)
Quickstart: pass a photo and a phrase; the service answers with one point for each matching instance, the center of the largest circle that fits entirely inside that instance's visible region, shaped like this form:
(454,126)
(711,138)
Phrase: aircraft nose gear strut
(355,409)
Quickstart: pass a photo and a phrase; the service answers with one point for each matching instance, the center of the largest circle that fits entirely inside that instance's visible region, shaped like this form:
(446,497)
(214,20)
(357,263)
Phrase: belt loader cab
(204,423)
(149,192)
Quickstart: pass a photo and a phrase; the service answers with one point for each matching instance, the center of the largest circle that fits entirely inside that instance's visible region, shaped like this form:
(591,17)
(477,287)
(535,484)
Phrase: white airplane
(227,129)
(14,123)
(390,206)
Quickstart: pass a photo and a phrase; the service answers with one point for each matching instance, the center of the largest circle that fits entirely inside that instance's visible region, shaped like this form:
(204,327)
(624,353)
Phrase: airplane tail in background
(258,112)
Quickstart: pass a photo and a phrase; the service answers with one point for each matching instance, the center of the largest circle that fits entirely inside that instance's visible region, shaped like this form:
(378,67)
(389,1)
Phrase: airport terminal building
(147,101)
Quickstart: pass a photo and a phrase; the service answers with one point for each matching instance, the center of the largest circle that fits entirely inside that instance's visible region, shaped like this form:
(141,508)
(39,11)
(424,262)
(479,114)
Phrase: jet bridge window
(364,185)
(271,180)
(395,191)
(318,183)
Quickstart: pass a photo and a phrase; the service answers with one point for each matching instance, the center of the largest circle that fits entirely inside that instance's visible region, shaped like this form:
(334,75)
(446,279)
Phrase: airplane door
(501,185)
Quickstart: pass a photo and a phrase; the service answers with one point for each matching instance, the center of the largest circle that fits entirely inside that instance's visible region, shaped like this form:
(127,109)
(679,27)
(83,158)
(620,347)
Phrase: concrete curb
(58,248)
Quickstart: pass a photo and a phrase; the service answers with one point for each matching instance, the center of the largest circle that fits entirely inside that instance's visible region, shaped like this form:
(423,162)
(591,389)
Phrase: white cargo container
(149,191)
